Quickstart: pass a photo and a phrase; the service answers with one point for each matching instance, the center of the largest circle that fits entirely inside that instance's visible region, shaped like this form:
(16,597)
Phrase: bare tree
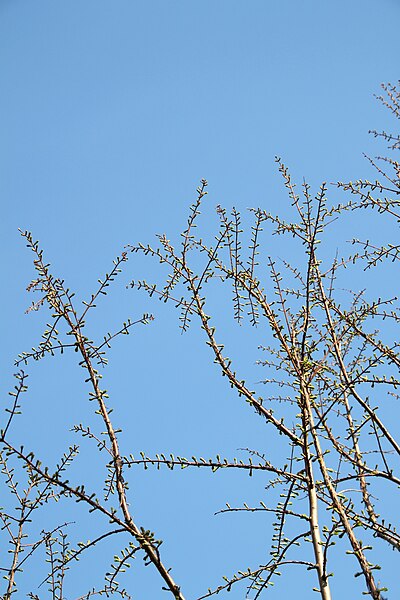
(331,362)
(43,485)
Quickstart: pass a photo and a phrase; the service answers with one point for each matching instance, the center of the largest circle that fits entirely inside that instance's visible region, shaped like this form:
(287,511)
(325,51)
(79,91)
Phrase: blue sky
(110,114)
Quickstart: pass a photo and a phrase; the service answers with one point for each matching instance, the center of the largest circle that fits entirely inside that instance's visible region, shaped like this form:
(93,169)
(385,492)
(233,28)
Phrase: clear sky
(110,114)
